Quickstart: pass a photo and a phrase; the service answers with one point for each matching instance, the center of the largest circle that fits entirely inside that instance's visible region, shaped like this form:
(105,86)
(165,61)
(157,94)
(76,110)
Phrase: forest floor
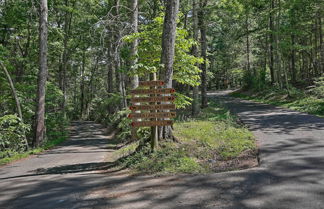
(76,175)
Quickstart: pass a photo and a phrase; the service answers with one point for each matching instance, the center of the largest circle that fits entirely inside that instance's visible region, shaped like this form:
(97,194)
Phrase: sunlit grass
(214,133)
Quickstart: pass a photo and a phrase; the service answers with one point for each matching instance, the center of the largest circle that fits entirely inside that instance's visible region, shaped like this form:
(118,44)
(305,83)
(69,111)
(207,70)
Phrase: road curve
(291,174)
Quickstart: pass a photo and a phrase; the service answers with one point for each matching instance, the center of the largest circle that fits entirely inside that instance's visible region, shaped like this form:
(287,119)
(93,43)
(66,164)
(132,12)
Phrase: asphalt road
(291,174)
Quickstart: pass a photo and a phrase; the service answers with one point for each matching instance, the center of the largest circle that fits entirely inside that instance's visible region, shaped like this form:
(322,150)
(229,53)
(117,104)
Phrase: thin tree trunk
(293,59)
(321,42)
(82,96)
(271,25)
(14,94)
(111,69)
(13,90)
(248,63)
(203,34)
(134,49)
(195,96)
(40,129)
(278,53)
(67,30)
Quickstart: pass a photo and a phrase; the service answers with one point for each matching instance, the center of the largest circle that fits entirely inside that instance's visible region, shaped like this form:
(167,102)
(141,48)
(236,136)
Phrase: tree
(168,46)
(203,40)
(195,96)
(134,50)
(40,129)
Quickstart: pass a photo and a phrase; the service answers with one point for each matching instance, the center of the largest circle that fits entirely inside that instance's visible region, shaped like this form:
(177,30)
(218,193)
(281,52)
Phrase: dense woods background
(95,51)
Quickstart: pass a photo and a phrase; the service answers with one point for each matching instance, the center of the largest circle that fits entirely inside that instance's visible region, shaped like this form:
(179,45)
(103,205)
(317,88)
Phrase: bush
(318,90)
(123,123)
(12,134)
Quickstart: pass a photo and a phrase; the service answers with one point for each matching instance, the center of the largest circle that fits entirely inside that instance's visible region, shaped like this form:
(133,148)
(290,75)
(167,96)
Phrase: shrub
(12,134)
(318,90)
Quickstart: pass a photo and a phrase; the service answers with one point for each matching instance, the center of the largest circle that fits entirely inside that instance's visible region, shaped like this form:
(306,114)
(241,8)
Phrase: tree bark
(134,49)
(271,26)
(168,46)
(195,96)
(203,34)
(321,42)
(293,59)
(65,56)
(40,129)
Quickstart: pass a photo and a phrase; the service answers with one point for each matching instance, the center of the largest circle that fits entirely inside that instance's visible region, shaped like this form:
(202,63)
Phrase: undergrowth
(56,138)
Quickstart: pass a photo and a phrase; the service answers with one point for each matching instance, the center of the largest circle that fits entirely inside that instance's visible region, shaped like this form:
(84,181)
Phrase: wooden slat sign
(153,91)
(153,115)
(151,83)
(152,123)
(153,107)
(153,99)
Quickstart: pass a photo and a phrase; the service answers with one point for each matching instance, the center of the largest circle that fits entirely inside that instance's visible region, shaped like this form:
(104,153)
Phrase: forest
(78,60)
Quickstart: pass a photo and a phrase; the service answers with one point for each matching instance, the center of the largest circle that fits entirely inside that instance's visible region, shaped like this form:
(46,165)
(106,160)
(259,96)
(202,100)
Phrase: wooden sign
(152,123)
(153,91)
(153,99)
(153,107)
(151,83)
(153,115)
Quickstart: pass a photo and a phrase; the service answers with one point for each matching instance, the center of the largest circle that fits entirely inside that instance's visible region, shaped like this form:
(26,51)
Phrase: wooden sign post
(149,112)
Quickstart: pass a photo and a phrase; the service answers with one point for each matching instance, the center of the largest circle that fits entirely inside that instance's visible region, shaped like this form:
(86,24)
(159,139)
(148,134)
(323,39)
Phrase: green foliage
(12,134)
(185,69)
(123,123)
(7,157)
(100,106)
(318,90)
(182,101)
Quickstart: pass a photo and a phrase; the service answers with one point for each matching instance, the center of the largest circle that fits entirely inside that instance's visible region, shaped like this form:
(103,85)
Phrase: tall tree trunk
(40,129)
(195,96)
(134,49)
(278,52)
(293,59)
(248,62)
(65,55)
(168,46)
(203,34)
(111,68)
(82,85)
(321,42)
(272,30)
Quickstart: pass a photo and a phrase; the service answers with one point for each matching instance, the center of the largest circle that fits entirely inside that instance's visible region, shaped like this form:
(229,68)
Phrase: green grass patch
(298,100)
(213,136)
(169,159)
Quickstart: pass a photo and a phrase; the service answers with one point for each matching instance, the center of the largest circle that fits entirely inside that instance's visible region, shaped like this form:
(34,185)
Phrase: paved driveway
(291,175)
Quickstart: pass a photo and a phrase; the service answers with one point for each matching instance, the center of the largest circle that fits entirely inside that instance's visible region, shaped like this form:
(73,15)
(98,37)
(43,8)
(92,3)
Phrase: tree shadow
(268,118)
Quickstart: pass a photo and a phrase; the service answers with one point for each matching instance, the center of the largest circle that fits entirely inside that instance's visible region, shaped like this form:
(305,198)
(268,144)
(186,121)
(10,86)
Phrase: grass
(207,142)
(14,156)
(297,101)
